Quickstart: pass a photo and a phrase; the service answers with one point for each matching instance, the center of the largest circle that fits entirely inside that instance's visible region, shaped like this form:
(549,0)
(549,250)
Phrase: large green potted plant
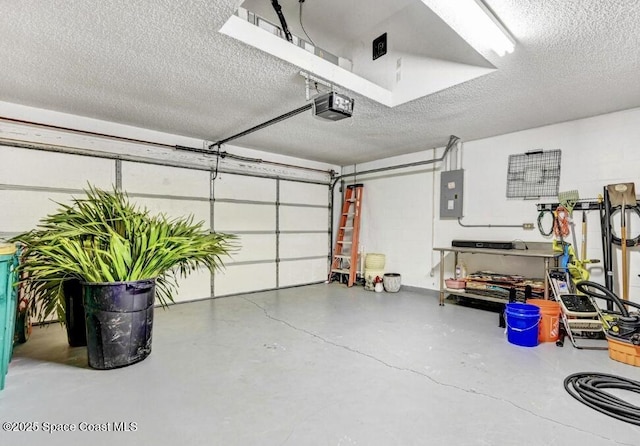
(125,259)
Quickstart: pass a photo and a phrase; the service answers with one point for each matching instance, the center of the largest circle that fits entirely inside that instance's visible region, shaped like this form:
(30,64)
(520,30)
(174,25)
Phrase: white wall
(396,214)
(401,207)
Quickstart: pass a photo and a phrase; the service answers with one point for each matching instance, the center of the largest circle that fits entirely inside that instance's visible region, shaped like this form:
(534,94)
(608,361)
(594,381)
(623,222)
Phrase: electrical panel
(451,193)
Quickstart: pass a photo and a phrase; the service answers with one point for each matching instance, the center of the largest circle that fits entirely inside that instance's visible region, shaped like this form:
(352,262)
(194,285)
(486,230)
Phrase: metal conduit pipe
(464,225)
(453,140)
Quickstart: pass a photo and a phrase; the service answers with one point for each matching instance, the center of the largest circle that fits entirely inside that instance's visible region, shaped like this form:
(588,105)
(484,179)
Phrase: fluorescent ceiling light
(475,23)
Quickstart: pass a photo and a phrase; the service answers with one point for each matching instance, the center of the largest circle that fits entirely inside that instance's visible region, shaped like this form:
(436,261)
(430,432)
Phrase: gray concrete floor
(317,365)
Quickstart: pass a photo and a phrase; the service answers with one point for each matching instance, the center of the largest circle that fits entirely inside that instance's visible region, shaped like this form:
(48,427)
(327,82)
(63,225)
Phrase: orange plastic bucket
(549,328)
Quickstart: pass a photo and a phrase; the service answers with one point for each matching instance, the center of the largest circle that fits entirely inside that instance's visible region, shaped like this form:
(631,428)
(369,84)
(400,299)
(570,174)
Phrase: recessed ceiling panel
(423,56)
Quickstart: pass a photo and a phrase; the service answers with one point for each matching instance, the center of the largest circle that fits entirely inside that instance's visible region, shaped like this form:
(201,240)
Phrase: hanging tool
(564,214)
(605,229)
(345,253)
(561,227)
(569,261)
(577,266)
(623,195)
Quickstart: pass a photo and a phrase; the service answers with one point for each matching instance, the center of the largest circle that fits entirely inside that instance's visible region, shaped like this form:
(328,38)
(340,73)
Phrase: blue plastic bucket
(522,324)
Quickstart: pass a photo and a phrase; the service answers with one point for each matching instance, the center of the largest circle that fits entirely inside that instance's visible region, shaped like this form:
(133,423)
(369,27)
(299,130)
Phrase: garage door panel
(301,272)
(304,193)
(22,210)
(165,180)
(232,217)
(176,208)
(245,278)
(57,170)
(303,245)
(195,286)
(303,219)
(255,247)
(238,187)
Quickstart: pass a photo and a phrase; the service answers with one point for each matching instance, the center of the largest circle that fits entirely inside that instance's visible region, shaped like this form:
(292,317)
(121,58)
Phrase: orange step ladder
(345,253)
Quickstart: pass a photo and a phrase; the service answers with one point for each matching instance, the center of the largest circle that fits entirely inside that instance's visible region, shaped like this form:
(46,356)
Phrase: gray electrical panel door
(451,189)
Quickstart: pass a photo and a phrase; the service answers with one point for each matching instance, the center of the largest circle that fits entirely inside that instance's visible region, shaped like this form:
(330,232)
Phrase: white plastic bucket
(391,282)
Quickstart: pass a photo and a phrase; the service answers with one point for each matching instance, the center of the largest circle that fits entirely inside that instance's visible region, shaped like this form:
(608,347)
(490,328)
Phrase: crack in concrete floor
(430,378)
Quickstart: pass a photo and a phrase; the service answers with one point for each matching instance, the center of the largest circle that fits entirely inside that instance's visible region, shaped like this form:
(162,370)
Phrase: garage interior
(207,109)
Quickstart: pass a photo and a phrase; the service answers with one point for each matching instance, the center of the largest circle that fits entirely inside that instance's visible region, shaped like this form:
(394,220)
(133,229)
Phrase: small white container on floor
(391,282)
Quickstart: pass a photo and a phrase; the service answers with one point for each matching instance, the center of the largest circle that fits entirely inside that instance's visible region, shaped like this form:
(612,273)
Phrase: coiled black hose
(553,221)
(631,242)
(586,286)
(588,388)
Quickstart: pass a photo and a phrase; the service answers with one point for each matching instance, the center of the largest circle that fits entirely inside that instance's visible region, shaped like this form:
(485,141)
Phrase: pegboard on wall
(534,174)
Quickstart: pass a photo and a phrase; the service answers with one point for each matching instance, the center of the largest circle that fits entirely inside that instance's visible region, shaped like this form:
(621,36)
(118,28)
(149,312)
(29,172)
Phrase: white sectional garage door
(283,233)
(304,237)
(176,192)
(282,225)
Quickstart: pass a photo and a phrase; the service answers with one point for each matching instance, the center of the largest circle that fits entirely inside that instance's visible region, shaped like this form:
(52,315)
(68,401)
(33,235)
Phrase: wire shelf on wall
(534,174)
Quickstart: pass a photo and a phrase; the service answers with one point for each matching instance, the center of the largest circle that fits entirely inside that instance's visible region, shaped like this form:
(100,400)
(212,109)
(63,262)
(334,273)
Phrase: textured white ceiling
(162,65)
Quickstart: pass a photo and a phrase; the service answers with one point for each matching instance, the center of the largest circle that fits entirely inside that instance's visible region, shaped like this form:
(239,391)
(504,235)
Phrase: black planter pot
(74,313)
(119,318)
